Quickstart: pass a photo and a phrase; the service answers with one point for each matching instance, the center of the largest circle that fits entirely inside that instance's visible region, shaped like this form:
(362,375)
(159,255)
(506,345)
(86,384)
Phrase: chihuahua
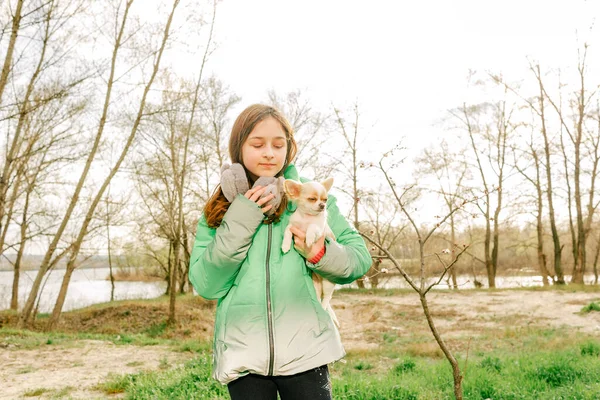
(311,216)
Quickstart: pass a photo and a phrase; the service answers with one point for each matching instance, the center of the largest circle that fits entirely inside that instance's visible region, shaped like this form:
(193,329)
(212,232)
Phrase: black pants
(309,385)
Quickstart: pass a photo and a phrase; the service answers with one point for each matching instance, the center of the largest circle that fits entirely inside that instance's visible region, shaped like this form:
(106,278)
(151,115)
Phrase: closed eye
(312,199)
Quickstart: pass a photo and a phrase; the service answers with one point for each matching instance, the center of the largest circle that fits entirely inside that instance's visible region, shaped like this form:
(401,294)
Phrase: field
(511,344)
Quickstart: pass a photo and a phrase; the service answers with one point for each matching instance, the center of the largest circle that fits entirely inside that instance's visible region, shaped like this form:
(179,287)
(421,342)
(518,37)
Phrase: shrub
(590,349)
(491,364)
(559,372)
(593,306)
(403,366)
(362,366)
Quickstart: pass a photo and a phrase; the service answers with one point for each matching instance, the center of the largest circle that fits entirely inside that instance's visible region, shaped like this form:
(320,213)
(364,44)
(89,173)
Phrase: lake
(89,286)
(466,281)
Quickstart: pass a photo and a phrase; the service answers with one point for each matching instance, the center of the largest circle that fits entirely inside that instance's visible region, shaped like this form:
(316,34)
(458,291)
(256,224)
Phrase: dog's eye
(312,199)
(325,199)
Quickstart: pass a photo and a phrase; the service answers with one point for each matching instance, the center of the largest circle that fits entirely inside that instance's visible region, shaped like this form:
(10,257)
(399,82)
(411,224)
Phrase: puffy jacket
(269,321)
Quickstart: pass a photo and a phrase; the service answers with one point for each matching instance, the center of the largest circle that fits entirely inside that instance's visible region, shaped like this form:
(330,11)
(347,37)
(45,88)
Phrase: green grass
(25,339)
(512,361)
(191,381)
(593,306)
(387,374)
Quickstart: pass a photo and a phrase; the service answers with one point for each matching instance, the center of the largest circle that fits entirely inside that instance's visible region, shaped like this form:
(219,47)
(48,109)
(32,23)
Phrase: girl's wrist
(317,257)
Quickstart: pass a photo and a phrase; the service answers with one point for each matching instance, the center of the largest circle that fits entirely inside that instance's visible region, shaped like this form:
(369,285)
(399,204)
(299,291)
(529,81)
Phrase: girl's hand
(254,195)
(300,243)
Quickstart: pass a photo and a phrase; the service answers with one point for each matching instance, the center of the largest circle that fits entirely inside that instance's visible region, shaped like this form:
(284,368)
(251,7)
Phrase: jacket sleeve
(347,258)
(218,253)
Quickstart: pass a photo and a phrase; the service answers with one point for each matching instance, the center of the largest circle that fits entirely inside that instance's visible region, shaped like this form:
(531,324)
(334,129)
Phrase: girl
(271,333)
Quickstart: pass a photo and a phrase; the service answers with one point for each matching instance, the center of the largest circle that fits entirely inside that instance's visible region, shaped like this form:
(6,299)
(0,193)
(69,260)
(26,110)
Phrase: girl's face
(264,151)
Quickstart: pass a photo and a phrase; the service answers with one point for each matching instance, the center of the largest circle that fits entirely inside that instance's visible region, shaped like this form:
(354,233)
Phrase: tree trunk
(456,374)
(14,32)
(539,220)
(596,260)
(14,301)
(579,251)
(489,262)
(551,213)
(110,268)
(453,251)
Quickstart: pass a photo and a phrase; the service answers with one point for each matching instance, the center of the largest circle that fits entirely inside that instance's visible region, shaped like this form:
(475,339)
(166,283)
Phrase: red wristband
(317,256)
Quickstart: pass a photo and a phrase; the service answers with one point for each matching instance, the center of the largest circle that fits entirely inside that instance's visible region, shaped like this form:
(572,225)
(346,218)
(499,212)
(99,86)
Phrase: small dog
(311,216)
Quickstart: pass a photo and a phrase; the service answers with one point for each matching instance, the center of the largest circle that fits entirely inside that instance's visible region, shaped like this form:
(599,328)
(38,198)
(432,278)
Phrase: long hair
(217,205)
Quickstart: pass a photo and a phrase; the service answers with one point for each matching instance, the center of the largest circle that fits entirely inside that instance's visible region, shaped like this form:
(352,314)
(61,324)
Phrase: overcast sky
(404,62)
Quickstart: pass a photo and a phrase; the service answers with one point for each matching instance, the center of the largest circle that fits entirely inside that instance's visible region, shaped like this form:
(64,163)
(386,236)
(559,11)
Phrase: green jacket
(269,321)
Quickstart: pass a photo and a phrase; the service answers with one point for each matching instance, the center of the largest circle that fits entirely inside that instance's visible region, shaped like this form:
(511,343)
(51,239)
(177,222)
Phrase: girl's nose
(269,152)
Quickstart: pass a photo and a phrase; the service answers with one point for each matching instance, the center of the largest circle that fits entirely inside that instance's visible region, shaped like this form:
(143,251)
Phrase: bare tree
(450,172)
(50,253)
(532,174)
(42,117)
(84,230)
(541,111)
(309,127)
(577,134)
(382,218)
(43,154)
(217,101)
(16,142)
(538,107)
(180,182)
(348,164)
(422,287)
(46,261)
(489,140)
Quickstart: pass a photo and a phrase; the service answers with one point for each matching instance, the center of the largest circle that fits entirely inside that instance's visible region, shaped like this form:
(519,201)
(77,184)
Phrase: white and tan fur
(311,217)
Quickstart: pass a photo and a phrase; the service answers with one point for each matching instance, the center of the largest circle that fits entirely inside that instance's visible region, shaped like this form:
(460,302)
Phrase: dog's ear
(292,188)
(327,183)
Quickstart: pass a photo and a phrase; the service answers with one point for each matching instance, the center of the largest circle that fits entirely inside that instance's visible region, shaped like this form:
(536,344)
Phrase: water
(466,282)
(87,287)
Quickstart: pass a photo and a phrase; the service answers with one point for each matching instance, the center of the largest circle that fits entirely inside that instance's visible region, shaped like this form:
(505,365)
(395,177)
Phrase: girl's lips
(267,165)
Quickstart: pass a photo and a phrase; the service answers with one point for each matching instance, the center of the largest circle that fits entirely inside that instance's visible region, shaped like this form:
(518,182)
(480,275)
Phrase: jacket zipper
(269,308)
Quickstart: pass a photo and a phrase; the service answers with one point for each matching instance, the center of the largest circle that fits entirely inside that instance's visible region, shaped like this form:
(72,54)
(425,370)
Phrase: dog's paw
(285,247)
(312,237)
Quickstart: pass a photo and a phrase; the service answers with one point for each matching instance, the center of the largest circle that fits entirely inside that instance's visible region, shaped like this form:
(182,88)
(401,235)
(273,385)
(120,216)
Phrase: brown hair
(217,205)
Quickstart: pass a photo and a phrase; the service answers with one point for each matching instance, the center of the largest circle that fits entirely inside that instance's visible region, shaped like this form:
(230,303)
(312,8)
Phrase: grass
(36,392)
(593,306)
(506,361)
(536,375)
(191,381)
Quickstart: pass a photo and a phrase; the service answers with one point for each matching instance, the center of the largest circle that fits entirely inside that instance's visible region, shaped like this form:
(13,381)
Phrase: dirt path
(76,368)
(461,314)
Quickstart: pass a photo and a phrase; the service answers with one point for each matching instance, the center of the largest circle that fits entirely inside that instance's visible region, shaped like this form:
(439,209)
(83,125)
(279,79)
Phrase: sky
(405,63)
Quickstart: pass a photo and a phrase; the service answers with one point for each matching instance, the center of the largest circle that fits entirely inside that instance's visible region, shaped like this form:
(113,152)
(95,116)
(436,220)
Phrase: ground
(78,366)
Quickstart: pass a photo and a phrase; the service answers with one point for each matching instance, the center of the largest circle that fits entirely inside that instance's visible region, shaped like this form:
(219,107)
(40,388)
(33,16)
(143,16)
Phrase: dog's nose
(321,206)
